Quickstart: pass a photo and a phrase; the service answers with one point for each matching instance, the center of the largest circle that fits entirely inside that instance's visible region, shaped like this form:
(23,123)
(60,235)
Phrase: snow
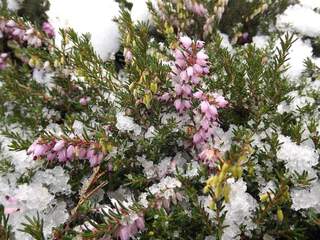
(297,158)
(310,3)
(140,11)
(297,102)
(33,197)
(298,53)
(13,5)
(306,198)
(125,123)
(94,17)
(239,210)
(300,19)
(260,41)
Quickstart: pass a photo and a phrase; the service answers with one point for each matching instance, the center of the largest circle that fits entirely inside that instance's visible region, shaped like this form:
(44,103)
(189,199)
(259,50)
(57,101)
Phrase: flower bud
(280,215)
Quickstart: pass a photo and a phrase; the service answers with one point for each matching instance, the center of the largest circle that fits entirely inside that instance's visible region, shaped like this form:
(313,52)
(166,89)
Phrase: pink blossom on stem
(66,150)
(190,66)
(48,29)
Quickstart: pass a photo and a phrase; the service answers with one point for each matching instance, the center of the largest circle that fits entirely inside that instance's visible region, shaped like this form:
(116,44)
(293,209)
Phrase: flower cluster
(130,222)
(67,150)
(12,30)
(207,116)
(130,229)
(191,64)
(196,8)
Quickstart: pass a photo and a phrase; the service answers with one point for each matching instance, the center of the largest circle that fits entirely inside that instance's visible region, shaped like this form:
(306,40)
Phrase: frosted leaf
(192,169)
(205,201)
(43,77)
(78,127)
(143,200)
(150,132)
(223,140)
(269,187)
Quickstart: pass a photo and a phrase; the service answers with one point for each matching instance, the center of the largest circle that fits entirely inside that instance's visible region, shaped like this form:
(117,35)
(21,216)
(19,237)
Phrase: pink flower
(84,101)
(187,104)
(198,94)
(197,138)
(95,159)
(209,156)
(32,147)
(40,150)
(204,106)
(11,23)
(82,153)
(165,97)
(184,76)
(178,105)
(64,151)
(195,80)
(186,89)
(202,56)
(197,69)
(212,112)
(123,233)
(186,42)
(181,63)
(48,29)
(10,210)
(127,55)
(70,152)
(190,71)
(200,44)
(51,156)
(140,223)
(221,102)
(179,55)
(178,89)
(59,145)
(205,124)
(62,155)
